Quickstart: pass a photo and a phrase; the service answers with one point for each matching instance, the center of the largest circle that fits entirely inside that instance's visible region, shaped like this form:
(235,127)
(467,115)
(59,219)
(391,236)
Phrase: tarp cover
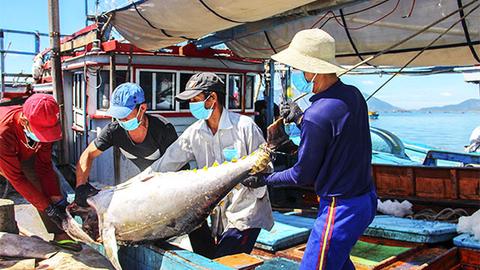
(154,24)
(374,26)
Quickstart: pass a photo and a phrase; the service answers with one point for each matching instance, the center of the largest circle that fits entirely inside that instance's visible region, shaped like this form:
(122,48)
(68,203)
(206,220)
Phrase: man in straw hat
(334,153)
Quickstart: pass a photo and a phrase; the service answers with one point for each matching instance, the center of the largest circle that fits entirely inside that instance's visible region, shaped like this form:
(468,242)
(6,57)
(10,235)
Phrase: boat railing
(466,158)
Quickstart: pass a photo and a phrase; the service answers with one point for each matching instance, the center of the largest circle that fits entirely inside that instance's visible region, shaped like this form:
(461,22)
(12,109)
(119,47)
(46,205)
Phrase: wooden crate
(454,186)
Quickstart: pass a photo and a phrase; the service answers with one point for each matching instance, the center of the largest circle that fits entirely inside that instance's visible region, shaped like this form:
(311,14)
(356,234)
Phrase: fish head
(278,140)
(263,158)
(88,230)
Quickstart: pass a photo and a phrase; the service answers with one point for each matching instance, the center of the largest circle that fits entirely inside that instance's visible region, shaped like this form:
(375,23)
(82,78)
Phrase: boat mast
(54,33)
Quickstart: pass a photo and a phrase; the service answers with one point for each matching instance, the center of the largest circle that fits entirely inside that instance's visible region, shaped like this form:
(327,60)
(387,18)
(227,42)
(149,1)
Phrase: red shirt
(14,150)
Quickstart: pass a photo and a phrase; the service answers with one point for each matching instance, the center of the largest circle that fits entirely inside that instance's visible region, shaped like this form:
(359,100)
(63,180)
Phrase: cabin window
(78,99)
(165,91)
(235,95)
(103,86)
(249,91)
(184,77)
(159,88)
(78,85)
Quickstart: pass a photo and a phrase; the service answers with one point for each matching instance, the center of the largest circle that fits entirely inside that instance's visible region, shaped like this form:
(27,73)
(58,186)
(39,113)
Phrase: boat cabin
(91,72)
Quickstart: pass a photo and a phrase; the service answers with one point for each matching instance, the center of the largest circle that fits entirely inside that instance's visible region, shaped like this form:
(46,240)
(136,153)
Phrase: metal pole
(116,150)
(37,43)
(269,89)
(54,33)
(2,66)
(86,12)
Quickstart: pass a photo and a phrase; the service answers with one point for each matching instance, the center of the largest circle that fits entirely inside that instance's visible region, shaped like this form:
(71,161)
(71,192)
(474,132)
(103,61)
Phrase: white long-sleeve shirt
(244,207)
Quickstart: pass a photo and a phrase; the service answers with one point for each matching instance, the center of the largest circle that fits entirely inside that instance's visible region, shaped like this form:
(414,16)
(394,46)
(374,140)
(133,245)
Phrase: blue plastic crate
(467,241)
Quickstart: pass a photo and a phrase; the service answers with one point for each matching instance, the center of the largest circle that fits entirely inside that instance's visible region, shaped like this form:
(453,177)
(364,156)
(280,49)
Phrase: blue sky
(408,92)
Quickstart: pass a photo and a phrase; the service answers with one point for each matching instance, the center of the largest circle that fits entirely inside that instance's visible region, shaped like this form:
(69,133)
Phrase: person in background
(218,136)
(142,138)
(27,134)
(334,155)
(261,115)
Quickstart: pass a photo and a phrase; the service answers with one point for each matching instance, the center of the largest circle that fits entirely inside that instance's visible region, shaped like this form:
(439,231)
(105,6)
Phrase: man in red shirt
(26,136)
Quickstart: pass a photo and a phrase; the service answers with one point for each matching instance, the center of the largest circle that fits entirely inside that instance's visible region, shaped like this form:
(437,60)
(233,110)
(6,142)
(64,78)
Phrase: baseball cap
(199,82)
(124,99)
(43,115)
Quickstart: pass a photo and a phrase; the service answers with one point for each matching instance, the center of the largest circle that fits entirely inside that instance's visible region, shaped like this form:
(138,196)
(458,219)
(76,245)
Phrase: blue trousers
(339,224)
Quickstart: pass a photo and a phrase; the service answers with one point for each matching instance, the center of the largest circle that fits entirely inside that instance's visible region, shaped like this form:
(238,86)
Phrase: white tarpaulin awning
(369,27)
(154,24)
(258,29)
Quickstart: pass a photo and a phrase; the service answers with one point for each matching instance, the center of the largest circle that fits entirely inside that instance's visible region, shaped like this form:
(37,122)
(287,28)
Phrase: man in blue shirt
(334,154)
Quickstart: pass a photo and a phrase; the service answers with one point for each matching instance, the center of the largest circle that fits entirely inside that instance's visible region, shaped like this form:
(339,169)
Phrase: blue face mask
(300,83)
(230,154)
(131,124)
(293,133)
(31,135)
(198,110)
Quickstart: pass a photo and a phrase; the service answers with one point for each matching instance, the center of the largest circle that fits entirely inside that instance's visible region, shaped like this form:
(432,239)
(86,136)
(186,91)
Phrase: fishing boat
(373,115)
(93,64)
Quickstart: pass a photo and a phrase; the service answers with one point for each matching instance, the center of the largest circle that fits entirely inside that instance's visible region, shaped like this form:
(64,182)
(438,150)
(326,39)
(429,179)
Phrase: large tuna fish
(154,206)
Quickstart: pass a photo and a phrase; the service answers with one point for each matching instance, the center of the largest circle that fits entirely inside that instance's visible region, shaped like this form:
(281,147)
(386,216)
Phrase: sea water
(448,131)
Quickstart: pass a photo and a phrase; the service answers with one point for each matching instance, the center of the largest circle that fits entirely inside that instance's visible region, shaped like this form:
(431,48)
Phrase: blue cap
(124,99)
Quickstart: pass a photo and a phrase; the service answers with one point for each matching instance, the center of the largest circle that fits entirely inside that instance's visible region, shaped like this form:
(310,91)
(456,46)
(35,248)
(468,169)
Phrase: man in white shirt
(218,136)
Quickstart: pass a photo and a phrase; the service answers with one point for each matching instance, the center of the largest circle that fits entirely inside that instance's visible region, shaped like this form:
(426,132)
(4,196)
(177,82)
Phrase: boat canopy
(154,24)
(258,29)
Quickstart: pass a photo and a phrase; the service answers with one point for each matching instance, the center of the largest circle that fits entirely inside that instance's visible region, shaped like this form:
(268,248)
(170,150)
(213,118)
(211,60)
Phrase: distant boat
(373,115)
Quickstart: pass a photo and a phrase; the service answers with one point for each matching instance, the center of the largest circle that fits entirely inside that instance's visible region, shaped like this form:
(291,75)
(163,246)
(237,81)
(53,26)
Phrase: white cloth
(474,141)
(243,207)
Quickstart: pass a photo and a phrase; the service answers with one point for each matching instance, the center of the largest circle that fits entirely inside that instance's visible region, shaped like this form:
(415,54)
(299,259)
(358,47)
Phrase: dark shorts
(232,241)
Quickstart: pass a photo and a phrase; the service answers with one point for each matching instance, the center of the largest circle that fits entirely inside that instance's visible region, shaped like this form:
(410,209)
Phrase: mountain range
(378,105)
(469,105)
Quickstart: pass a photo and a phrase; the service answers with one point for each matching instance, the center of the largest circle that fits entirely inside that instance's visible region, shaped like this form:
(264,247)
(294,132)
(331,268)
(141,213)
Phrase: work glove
(56,212)
(82,192)
(291,112)
(255,181)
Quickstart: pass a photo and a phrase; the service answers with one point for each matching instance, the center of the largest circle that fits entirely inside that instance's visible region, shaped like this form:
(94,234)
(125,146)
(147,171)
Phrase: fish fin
(205,168)
(195,170)
(215,164)
(110,245)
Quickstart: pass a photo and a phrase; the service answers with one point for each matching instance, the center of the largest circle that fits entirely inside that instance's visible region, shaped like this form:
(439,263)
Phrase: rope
(420,52)
(408,38)
(447,214)
(467,34)
(354,47)
(269,42)
(217,14)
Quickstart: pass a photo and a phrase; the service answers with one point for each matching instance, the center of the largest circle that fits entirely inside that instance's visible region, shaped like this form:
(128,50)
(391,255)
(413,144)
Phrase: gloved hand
(56,213)
(82,192)
(254,181)
(291,112)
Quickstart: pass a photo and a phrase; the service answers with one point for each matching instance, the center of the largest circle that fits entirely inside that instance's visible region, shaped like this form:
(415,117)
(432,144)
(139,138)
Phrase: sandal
(68,245)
